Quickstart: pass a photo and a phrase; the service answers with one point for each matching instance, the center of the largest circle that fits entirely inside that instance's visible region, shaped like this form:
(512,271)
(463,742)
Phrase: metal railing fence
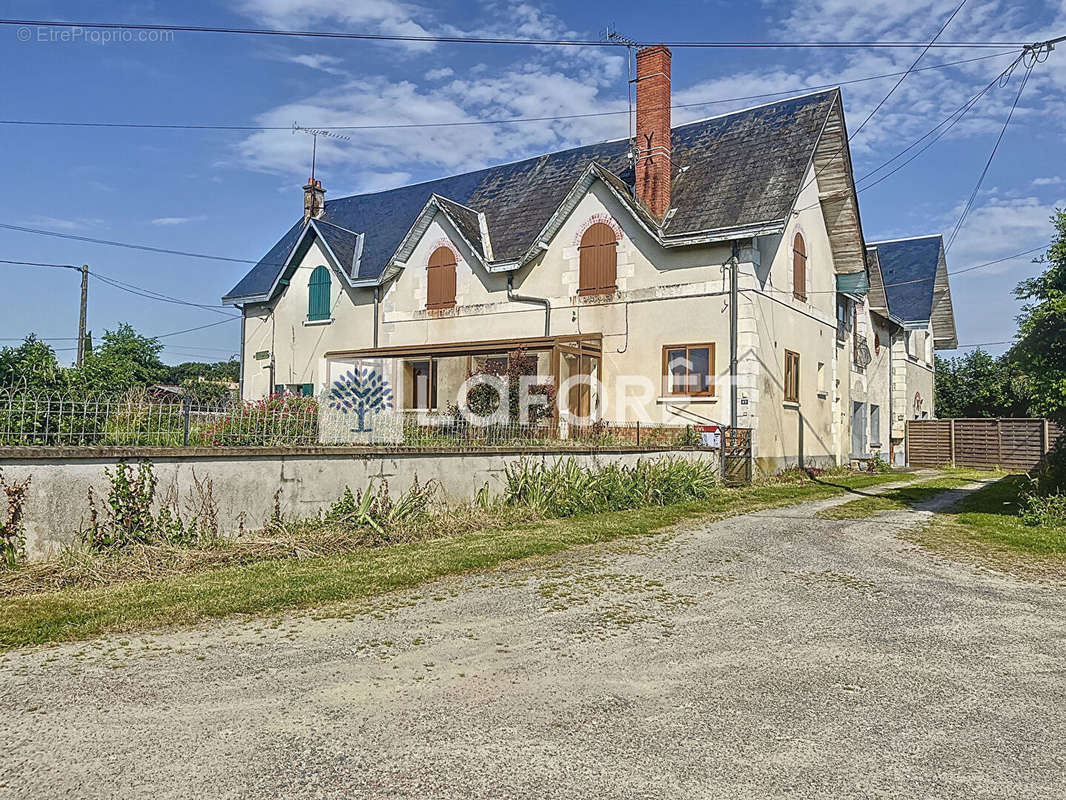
(135,419)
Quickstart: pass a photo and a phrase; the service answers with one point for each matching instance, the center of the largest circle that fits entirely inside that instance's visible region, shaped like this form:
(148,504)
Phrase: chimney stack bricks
(314,199)
(652,161)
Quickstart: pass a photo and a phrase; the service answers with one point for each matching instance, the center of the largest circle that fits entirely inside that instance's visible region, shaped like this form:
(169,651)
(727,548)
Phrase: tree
(978,385)
(123,360)
(1041,347)
(32,364)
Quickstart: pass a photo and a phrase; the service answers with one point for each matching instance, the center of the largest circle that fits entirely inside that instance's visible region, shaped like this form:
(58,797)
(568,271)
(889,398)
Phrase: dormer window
(440,279)
(799,268)
(599,261)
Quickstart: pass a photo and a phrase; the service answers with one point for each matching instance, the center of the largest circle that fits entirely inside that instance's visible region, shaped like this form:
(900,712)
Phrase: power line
(38,264)
(147,248)
(431,39)
(153,295)
(977,187)
(469,123)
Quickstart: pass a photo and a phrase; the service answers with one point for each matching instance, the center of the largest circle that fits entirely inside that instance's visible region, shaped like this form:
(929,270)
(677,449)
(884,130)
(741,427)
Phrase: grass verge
(905,497)
(271,586)
(984,529)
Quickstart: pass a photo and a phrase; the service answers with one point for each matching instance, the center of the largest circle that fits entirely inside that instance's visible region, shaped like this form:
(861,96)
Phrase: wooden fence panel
(1016,444)
(929,442)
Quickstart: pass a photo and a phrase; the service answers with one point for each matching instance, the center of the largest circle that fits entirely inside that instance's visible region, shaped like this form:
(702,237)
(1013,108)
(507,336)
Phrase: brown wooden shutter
(799,268)
(599,260)
(440,279)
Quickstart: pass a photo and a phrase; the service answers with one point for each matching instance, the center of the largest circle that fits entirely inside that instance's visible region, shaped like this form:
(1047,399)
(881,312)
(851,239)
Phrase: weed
(567,489)
(12,535)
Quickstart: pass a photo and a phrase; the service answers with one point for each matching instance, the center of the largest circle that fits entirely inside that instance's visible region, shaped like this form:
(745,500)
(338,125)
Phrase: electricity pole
(84,308)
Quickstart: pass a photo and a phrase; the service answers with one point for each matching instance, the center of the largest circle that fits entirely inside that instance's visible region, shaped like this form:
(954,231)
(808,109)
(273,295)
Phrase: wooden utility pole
(84,309)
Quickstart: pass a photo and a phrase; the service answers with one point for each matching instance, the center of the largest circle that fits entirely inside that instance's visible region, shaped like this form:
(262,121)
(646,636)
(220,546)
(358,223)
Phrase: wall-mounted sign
(262,354)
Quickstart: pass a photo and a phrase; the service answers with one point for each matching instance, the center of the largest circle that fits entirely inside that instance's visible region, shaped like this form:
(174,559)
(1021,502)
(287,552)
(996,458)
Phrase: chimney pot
(653,140)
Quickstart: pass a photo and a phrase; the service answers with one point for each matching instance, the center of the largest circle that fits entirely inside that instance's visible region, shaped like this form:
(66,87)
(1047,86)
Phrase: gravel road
(768,655)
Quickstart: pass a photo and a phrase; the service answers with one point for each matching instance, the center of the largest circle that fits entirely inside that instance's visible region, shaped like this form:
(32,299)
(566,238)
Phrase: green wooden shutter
(318,294)
(307,390)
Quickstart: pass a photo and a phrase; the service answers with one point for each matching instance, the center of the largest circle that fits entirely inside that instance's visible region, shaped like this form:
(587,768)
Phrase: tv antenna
(315,133)
(611,34)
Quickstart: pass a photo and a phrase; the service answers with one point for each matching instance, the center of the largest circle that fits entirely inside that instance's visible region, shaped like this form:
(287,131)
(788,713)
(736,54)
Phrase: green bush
(1048,511)
(567,489)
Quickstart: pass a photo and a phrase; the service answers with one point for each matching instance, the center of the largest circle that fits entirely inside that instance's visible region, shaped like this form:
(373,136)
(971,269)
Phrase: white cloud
(317,61)
(359,16)
(1052,181)
(439,74)
(176,220)
(998,228)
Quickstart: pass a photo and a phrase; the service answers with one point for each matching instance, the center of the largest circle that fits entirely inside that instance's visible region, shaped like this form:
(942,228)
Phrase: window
(318,294)
(599,261)
(877,343)
(420,382)
(875,426)
(689,369)
(440,275)
(843,318)
(821,377)
(792,377)
(799,268)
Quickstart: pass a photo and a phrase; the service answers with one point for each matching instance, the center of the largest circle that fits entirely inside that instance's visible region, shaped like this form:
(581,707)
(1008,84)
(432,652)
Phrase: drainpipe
(240,376)
(734,262)
(377,297)
(540,301)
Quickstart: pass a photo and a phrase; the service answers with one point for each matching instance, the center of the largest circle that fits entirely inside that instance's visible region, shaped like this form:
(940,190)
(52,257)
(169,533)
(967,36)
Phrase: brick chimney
(652,162)
(314,199)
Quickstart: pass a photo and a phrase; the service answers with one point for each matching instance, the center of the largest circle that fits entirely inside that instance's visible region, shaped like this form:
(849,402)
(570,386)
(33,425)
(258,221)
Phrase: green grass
(276,585)
(984,528)
(904,497)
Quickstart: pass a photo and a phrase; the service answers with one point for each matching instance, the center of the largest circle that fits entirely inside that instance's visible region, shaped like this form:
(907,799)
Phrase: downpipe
(540,301)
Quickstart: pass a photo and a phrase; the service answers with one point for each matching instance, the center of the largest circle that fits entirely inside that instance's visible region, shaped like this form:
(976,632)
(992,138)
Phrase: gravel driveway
(773,654)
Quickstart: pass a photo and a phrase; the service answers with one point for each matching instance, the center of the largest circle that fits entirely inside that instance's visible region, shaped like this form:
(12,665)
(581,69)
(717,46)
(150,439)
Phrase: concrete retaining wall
(244,481)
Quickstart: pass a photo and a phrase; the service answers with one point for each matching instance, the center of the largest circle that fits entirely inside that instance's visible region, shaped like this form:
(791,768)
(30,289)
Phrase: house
(910,287)
(715,275)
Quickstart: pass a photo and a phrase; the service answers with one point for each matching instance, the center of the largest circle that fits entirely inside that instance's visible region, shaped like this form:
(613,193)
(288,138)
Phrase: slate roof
(734,170)
(908,269)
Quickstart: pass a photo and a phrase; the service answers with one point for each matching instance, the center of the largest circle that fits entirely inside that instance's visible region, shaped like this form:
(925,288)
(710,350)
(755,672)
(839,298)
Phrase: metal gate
(736,456)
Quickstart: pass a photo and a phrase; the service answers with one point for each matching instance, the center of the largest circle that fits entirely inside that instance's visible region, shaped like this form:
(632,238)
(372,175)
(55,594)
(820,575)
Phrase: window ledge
(791,404)
(673,399)
(823,395)
(310,322)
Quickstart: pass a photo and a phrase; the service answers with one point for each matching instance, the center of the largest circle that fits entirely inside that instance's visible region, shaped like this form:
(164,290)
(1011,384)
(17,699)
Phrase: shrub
(566,489)
(1044,510)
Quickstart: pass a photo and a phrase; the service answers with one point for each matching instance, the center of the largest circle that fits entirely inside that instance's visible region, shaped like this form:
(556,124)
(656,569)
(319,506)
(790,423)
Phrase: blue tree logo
(360,392)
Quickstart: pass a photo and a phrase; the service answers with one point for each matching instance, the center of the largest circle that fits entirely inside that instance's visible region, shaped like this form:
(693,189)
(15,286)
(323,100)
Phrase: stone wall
(244,481)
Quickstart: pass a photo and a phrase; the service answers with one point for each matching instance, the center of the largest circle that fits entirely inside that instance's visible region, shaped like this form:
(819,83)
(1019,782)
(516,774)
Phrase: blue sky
(233,193)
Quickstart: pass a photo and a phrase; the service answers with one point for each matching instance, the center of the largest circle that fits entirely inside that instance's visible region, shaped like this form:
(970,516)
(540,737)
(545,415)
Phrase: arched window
(440,279)
(799,268)
(599,261)
(318,294)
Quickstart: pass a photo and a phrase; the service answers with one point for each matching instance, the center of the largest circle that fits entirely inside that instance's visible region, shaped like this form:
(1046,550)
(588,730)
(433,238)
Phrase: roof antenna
(315,133)
(611,34)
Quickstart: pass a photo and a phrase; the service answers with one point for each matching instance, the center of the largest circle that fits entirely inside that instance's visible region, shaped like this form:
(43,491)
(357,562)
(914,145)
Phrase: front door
(858,430)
